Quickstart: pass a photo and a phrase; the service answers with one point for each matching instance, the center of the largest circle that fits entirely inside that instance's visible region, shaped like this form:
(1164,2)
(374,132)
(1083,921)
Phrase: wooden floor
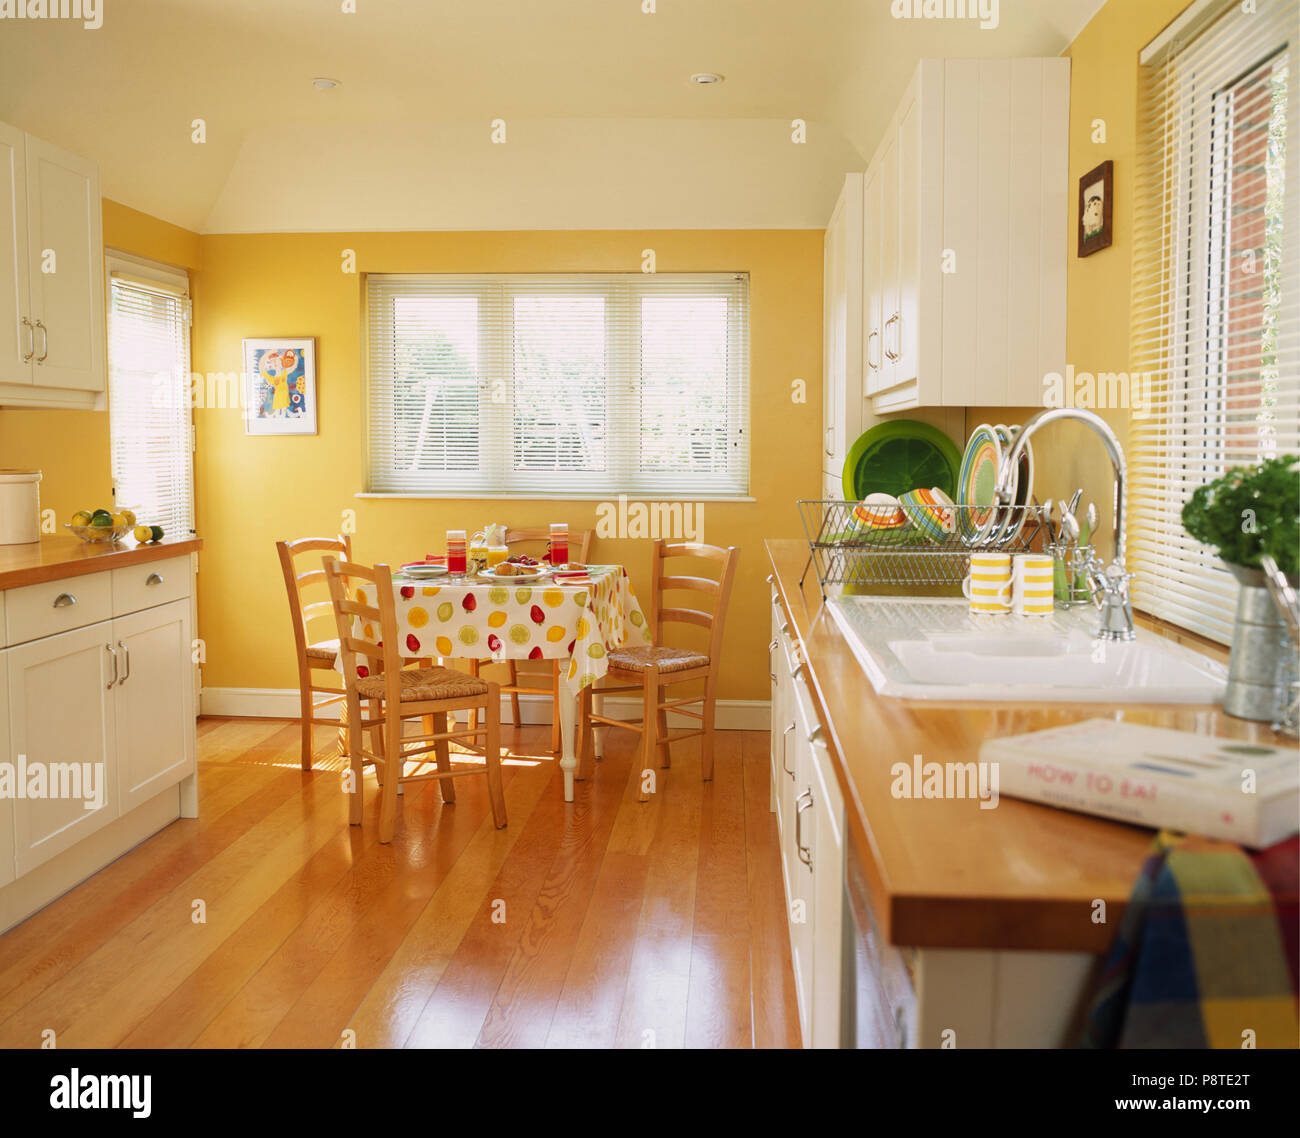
(599,923)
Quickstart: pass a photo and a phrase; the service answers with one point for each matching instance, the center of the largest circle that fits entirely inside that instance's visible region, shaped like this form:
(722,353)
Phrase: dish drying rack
(932,549)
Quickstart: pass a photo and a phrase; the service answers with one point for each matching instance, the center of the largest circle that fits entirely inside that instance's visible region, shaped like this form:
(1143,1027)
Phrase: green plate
(900,455)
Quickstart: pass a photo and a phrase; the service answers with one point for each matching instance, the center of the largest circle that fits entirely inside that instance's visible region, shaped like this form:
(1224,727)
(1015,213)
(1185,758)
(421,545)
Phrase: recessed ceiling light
(323,84)
(705,78)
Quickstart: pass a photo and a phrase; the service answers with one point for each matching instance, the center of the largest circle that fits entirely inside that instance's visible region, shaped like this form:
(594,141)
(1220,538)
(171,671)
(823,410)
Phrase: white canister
(20,506)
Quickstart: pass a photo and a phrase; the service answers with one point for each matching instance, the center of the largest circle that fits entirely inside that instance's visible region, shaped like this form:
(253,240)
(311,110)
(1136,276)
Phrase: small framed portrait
(1096,202)
(280,386)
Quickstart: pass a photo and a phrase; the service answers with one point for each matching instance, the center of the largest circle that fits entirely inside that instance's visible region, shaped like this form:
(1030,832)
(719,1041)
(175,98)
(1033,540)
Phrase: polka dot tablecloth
(541,620)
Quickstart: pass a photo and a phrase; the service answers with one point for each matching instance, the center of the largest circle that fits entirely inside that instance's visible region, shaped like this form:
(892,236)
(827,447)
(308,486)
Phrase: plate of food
(511,571)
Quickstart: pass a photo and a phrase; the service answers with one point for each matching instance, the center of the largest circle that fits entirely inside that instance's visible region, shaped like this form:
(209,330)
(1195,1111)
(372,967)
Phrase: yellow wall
(71,448)
(1103,85)
(255,490)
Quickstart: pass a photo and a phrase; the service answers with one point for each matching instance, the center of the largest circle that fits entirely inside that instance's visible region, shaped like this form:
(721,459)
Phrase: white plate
(423,572)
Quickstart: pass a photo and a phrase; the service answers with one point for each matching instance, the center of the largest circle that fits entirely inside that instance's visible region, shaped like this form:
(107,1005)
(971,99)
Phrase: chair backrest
(365,592)
(717,587)
(578,539)
(296,582)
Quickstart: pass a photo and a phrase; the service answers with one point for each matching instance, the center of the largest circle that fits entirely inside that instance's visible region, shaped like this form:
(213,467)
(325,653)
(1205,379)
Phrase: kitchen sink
(932,648)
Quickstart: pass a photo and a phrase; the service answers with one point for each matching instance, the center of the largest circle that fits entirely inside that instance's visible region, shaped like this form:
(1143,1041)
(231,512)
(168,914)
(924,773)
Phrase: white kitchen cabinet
(52,346)
(965,297)
(61,712)
(98,672)
(155,701)
(810,821)
(6,804)
(855,312)
(16,337)
(842,347)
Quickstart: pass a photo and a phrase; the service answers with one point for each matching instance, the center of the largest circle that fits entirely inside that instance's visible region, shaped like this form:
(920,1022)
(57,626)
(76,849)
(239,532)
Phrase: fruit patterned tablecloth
(541,620)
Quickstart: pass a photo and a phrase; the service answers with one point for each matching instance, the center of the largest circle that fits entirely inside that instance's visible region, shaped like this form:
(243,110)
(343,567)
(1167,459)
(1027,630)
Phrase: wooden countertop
(53,558)
(942,873)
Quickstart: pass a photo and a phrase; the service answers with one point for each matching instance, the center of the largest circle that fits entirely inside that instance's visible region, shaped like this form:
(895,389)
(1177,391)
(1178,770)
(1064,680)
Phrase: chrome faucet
(1109,582)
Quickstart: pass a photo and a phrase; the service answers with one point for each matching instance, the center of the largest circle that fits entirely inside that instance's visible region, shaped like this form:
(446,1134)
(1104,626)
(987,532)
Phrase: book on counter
(1152,776)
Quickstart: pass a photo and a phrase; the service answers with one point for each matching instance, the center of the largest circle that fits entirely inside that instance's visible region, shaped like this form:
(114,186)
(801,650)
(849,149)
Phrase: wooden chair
(652,669)
(313,656)
(393,694)
(547,679)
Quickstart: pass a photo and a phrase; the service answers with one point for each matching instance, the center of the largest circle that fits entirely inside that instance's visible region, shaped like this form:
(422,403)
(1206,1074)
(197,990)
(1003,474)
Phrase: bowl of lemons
(101,525)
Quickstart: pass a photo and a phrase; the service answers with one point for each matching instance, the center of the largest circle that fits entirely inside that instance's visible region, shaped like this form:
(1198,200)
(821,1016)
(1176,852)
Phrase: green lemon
(498,595)
(523,595)
(157,532)
(520,633)
(468,635)
(445,610)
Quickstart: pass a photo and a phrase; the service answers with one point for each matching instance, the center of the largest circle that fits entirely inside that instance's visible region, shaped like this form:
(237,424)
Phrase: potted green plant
(1250,511)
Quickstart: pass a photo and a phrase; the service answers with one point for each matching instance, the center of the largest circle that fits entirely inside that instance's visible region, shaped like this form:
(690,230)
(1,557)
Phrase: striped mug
(1031,584)
(988,584)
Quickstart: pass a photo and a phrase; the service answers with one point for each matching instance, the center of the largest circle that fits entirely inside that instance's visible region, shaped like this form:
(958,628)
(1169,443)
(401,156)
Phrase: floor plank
(599,923)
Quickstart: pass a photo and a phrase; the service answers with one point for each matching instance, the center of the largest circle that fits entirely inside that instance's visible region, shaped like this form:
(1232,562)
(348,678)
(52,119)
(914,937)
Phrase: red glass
(559,545)
(457,549)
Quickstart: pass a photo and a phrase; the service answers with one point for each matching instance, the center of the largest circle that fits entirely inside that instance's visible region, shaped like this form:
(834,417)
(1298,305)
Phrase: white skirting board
(282,703)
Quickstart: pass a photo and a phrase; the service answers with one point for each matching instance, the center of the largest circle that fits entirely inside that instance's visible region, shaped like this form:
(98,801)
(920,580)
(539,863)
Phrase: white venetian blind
(1216,284)
(149,398)
(544,384)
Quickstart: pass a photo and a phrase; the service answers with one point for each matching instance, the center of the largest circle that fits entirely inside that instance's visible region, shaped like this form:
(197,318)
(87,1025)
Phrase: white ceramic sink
(934,649)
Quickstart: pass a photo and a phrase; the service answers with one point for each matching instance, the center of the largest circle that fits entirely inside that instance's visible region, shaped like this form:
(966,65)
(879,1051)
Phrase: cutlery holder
(1069,574)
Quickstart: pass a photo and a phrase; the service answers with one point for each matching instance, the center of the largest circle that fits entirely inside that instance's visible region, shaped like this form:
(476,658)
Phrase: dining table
(577,620)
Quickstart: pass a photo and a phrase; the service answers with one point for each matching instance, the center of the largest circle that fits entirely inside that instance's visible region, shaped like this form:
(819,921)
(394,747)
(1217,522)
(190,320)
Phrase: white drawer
(137,587)
(33,611)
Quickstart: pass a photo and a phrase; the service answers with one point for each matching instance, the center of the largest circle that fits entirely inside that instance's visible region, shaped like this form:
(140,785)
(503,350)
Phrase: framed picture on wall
(280,386)
(1096,201)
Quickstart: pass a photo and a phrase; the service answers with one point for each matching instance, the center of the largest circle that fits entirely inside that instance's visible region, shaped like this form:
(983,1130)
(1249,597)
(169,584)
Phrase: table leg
(598,708)
(568,721)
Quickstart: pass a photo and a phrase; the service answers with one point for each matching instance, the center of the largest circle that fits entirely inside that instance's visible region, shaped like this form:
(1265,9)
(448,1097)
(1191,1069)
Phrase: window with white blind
(1216,284)
(149,394)
(582,384)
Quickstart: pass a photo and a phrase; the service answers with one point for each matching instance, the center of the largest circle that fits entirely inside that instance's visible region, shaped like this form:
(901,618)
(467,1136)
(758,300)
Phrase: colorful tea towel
(1206,951)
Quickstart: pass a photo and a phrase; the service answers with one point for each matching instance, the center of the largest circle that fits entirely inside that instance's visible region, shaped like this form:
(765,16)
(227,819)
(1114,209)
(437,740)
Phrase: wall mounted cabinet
(52,332)
(965,237)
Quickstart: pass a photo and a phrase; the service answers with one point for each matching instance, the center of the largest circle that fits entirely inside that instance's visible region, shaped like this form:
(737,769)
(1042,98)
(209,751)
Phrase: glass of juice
(457,549)
(559,544)
(496,554)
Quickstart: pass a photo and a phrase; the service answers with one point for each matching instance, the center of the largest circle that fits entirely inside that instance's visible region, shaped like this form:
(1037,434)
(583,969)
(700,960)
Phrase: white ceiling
(604,130)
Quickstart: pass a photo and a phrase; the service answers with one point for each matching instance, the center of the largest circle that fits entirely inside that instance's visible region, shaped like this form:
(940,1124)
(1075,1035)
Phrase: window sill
(477,495)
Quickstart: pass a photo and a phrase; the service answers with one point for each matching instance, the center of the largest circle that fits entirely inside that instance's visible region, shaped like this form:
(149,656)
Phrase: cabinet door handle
(109,649)
(896,318)
(64,601)
(874,365)
(154,579)
(770,671)
(830,433)
(785,747)
(31,340)
(45,342)
(126,657)
(802,803)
